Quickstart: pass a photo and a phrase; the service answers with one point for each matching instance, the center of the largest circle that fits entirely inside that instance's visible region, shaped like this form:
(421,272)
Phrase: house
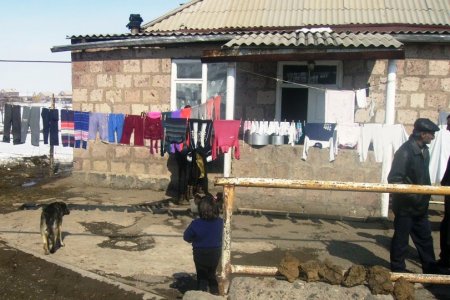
(270,60)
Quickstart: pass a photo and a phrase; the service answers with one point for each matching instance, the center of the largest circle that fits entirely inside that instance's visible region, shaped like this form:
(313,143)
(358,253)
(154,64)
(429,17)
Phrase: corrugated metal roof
(236,32)
(316,39)
(241,14)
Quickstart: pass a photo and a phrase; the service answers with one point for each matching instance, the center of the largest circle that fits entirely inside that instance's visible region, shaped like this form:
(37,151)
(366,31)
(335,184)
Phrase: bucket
(259,139)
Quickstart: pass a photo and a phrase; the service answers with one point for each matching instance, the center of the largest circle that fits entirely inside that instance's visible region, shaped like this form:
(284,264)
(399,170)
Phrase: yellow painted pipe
(333,185)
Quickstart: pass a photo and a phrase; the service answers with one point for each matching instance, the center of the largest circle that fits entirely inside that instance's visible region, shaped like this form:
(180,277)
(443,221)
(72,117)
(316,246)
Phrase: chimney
(135,23)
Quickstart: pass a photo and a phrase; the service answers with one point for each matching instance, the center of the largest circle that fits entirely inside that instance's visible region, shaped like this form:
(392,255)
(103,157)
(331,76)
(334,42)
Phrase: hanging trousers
(12,119)
(31,119)
(50,118)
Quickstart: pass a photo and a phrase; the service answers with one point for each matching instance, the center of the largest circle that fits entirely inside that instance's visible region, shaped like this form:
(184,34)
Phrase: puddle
(271,258)
(117,240)
(28,184)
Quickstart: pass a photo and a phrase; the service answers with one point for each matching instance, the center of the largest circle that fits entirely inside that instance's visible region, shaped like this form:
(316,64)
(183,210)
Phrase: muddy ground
(24,276)
(133,229)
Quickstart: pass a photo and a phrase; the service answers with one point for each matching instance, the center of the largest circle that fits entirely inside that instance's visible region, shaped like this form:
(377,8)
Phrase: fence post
(228,191)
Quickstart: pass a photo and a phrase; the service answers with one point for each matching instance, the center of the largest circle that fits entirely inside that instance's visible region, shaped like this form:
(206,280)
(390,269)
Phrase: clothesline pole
(229,111)
(52,149)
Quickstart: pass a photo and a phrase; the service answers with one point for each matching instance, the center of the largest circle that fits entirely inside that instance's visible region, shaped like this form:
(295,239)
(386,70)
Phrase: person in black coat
(410,166)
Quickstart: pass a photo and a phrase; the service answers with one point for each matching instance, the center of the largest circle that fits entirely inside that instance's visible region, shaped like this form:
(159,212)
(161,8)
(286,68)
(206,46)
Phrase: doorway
(294,104)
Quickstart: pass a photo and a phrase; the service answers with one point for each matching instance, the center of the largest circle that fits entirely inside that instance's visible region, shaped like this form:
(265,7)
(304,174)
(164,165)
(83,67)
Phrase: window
(193,82)
(296,102)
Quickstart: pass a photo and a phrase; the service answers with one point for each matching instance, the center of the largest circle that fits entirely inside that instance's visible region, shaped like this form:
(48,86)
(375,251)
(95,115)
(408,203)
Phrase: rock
(331,273)
(309,271)
(403,290)
(356,275)
(289,267)
(379,280)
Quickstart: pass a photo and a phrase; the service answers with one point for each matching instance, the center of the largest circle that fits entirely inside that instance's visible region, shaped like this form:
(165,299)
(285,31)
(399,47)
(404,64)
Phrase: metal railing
(229,184)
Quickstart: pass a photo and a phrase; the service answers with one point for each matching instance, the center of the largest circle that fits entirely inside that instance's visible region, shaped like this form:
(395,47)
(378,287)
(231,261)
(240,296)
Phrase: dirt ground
(123,244)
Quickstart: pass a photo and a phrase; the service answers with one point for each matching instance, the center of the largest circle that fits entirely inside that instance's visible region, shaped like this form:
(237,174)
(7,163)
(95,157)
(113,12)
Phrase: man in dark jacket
(410,166)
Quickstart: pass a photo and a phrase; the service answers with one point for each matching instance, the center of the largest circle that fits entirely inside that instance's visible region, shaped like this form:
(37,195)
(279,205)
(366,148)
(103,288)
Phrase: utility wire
(35,61)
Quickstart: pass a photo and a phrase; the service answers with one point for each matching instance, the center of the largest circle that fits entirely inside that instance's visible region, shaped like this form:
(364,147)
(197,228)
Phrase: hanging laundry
(439,154)
(319,135)
(347,135)
(202,111)
(284,128)
(174,133)
(67,128)
(299,135)
(292,133)
(226,136)
(50,118)
(339,106)
(176,114)
(361,100)
(98,123)
(133,124)
(217,102)
(153,130)
(12,119)
(115,127)
(371,133)
(186,112)
(195,112)
(200,138)
(31,120)
(209,108)
(81,126)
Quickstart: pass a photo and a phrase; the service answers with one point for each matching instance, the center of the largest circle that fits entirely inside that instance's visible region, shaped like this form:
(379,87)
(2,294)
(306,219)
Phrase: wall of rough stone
(285,162)
(134,80)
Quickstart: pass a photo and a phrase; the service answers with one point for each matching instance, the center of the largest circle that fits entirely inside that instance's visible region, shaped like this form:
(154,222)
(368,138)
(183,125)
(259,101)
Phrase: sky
(29,28)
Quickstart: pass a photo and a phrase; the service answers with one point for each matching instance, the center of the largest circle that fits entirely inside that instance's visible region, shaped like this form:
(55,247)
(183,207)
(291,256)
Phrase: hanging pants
(133,123)
(50,118)
(31,119)
(115,127)
(81,127)
(12,118)
(67,128)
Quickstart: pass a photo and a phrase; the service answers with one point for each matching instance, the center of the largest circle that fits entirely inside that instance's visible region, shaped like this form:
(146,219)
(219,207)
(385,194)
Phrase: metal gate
(229,184)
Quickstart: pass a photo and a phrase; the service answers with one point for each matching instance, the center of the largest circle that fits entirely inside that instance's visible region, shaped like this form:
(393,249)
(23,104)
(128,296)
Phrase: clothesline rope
(301,84)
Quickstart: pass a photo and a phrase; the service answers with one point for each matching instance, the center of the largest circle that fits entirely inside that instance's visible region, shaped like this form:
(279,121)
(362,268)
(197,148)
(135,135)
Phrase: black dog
(51,221)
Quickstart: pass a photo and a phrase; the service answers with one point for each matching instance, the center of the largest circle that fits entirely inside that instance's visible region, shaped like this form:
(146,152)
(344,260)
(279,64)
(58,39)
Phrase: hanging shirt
(226,136)
(174,133)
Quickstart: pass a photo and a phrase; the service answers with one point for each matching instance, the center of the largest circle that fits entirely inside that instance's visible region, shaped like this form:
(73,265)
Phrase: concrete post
(388,120)
(229,111)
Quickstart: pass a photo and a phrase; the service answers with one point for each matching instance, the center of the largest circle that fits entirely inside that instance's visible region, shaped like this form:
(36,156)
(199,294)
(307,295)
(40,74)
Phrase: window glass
(296,73)
(323,75)
(189,70)
(216,80)
(188,94)
(300,74)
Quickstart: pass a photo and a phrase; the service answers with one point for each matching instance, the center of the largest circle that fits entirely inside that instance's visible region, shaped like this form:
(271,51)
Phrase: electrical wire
(35,61)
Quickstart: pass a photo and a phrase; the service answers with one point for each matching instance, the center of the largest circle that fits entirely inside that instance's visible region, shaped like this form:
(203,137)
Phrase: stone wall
(285,162)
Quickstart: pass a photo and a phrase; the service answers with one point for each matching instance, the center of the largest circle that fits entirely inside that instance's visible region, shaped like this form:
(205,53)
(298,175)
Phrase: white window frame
(281,84)
(175,80)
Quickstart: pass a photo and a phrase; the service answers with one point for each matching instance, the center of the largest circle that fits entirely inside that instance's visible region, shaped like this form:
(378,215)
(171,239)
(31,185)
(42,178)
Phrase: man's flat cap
(424,124)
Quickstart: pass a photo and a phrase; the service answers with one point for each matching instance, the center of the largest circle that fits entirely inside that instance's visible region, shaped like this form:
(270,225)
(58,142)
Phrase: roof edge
(172,12)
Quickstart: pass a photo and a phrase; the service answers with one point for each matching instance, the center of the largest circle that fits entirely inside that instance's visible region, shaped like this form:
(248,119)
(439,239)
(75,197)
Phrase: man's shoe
(443,263)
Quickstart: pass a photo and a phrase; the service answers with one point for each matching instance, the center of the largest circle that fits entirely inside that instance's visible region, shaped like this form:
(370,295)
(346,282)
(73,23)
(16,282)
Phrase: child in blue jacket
(205,234)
